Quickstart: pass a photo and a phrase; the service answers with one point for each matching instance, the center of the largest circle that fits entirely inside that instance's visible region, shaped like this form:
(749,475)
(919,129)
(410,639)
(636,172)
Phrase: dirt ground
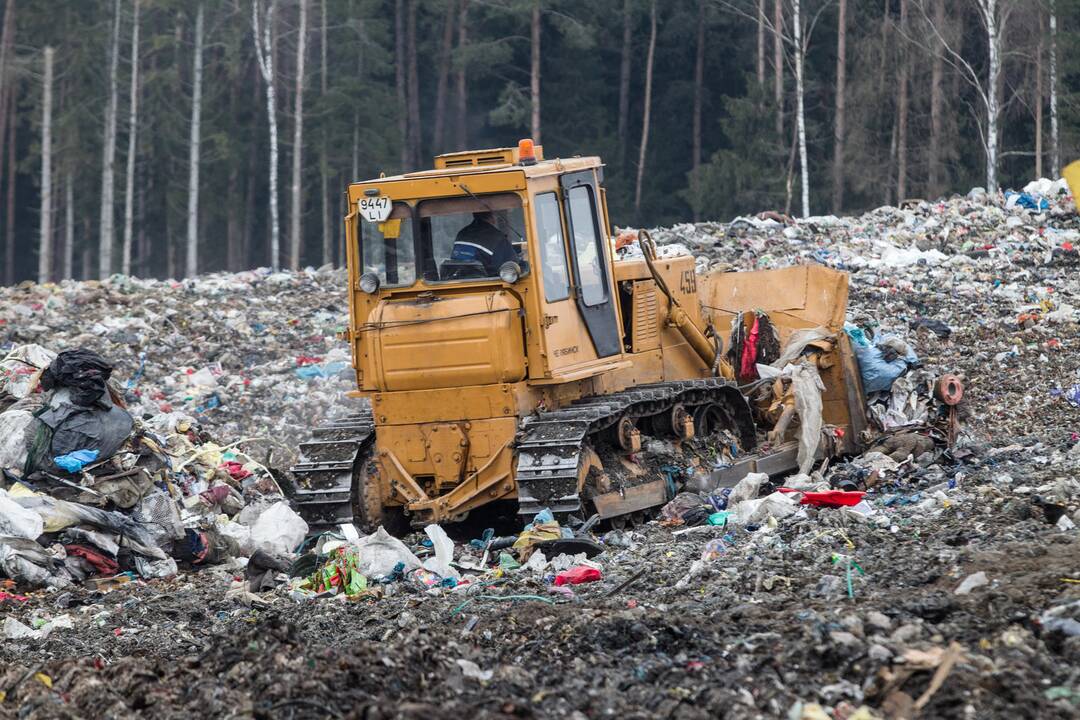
(768,625)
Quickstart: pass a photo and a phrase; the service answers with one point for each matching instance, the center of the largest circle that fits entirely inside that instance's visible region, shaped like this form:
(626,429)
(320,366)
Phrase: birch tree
(45,245)
(296,206)
(650,55)
(264,57)
(800,110)
(994,17)
(191,257)
(106,225)
(133,131)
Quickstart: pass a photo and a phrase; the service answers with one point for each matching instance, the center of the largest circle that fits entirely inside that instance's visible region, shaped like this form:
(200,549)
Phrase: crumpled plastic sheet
(807,386)
(380,553)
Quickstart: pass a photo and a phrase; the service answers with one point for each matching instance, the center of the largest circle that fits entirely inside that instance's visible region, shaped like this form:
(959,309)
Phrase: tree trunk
(648,108)
(993,106)
(624,76)
(133,131)
(534,73)
(1039,100)
(9,245)
(800,110)
(191,259)
(902,107)
(264,54)
(778,67)
(233,220)
(761,44)
(1055,146)
(106,227)
(937,72)
(699,85)
(443,86)
(399,81)
(68,254)
(296,209)
(45,253)
(463,80)
(415,131)
(7,49)
(324,161)
(838,115)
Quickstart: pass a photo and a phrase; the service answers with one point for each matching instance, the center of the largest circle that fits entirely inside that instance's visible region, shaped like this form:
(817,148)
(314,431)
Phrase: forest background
(171,137)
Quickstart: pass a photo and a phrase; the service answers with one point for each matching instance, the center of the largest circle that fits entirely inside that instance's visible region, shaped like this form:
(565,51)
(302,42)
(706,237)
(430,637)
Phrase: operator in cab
(484,242)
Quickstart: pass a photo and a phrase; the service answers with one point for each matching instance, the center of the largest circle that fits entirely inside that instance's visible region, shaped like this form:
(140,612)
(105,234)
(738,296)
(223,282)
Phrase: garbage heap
(248,354)
(92,493)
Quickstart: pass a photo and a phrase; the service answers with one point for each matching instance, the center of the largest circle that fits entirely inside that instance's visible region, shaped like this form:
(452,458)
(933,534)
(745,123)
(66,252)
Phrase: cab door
(590,263)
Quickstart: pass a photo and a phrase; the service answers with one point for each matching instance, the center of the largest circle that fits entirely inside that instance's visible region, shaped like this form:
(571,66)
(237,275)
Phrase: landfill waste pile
(936,575)
(250,355)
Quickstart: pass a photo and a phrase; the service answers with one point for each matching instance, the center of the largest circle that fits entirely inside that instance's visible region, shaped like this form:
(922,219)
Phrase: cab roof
(495,160)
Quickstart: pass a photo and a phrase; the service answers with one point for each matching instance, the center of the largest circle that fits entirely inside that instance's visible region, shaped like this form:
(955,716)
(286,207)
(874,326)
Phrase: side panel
(447,341)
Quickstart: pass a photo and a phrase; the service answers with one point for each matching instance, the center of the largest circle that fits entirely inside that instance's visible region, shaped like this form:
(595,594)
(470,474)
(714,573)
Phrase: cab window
(549,234)
(387,248)
(589,254)
(469,238)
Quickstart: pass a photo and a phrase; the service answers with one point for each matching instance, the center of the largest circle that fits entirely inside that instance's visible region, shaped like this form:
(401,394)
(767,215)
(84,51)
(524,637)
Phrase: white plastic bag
(278,530)
(380,553)
(15,425)
(747,488)
(444,552)
(17,521)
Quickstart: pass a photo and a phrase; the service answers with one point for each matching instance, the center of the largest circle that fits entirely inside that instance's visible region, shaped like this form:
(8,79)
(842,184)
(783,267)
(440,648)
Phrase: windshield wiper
(491,210)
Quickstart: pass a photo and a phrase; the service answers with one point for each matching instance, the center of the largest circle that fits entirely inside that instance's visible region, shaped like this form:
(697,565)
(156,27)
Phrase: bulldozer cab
(488,247)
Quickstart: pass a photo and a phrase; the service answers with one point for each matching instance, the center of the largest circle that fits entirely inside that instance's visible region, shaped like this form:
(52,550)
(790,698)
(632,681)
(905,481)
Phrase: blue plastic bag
(73,462)
(1026,200)
(877,374)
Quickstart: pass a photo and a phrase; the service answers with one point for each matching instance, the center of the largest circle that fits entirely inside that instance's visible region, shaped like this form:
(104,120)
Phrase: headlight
(369,283)
(510,272)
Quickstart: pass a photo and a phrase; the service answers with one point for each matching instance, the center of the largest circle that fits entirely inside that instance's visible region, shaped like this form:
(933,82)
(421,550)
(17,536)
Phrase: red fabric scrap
(101,562)
(748,367)
(830,498)
(577,575)
(236,470)
(215,495)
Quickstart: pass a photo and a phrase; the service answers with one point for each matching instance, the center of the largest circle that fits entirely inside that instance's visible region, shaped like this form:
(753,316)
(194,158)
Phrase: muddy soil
(767,626)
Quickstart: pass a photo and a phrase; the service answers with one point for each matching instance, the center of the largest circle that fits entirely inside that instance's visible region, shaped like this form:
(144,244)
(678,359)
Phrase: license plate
(375,209)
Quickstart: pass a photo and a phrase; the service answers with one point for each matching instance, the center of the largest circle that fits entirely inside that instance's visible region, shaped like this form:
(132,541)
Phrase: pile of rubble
(934,573)
(249,355)
(89,491)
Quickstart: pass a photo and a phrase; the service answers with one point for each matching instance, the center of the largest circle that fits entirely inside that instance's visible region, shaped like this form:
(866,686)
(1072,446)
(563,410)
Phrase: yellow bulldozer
(505,350)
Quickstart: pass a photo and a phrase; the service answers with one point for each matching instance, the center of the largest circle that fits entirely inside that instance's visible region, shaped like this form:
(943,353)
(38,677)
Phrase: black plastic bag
(84,371)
